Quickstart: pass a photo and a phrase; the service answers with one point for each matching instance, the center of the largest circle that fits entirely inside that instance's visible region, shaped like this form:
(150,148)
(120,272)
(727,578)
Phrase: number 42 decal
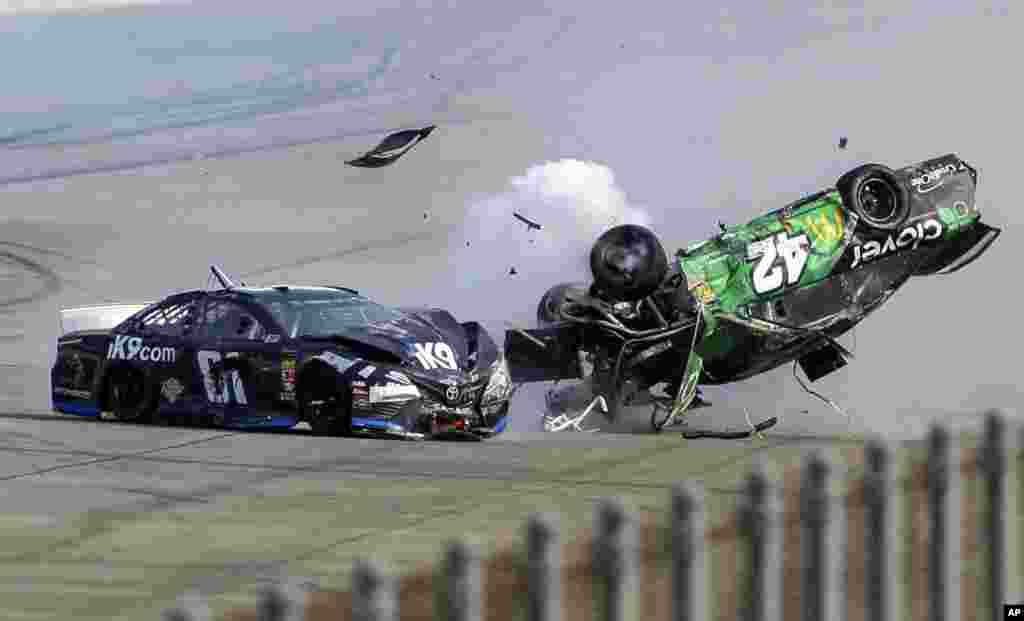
(769,275)
(217,389)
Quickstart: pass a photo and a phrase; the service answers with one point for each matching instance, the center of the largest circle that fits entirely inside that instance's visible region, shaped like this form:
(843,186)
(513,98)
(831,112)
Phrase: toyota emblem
(452,393)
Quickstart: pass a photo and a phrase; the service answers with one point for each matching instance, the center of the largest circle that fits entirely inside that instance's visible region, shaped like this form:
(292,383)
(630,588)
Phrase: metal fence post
(615,563)
(191,608)
(880,496)
(373,593)
(689,553)
(544,573)
(822,539)
(282,602)
(462,583)
(993,525)
(944,525)
(760,524)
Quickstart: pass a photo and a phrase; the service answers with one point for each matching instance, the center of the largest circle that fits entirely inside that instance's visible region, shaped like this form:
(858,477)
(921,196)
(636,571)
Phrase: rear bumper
(962,251)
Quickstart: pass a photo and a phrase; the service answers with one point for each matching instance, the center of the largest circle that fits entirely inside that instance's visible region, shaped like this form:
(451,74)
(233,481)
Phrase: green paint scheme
(721,272)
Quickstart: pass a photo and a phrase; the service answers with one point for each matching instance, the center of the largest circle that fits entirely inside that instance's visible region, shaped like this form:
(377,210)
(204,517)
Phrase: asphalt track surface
(121,519)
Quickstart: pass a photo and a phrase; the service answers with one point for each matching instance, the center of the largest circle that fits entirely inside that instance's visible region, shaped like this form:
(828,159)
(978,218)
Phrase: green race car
(778,289)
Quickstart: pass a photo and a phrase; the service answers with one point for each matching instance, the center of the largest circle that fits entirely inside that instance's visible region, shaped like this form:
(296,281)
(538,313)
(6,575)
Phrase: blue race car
(277,356)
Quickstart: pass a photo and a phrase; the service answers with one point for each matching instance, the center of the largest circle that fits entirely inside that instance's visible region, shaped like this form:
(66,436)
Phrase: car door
(240,369)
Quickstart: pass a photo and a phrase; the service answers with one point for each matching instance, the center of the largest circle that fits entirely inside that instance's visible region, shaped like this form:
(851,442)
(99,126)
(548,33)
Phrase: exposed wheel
(327,407)
(876,195)
(130,396)
(628,262)
(548,309)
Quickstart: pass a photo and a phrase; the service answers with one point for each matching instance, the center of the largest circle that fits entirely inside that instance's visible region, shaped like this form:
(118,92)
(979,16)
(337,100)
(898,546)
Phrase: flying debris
(530,224)
(512,271)
(842,142)
(391,148)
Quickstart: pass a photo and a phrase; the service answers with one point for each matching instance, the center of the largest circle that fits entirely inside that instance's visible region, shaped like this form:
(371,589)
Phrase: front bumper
(425,418)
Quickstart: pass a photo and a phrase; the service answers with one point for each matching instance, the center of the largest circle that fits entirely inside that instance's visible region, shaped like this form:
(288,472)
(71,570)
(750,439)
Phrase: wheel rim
(877,200)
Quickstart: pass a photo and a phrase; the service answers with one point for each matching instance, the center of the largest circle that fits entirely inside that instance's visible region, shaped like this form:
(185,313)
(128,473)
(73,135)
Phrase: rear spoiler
(101,317)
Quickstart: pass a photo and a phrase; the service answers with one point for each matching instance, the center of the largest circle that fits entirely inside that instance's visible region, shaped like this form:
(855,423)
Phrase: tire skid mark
(49,281)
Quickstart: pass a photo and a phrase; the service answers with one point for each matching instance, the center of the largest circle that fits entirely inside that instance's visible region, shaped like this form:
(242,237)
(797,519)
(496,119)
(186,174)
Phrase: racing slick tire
(550,305)
(876,195)
(326,406)
(130,396)
(628,262)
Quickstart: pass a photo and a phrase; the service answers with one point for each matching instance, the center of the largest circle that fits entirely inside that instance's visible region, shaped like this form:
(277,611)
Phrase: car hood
(422,339)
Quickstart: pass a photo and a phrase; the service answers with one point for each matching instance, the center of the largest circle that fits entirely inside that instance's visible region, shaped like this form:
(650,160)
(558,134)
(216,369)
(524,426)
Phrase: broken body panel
(782,287)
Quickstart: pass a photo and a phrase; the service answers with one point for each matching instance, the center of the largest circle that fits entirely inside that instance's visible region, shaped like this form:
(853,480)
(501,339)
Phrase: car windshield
(323,316)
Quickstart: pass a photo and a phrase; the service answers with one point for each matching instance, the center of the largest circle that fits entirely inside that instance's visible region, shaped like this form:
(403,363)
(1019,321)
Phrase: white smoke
(574,201)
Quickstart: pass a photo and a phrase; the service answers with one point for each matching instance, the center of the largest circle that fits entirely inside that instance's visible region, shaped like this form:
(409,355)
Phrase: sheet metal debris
(530,224)
(391,148)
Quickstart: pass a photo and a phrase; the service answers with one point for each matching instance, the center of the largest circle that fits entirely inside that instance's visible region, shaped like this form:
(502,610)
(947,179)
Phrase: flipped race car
(780,288)
(277,356)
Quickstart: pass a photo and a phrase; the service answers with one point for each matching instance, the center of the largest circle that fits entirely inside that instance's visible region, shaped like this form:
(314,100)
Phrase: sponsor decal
(340,363)
(272,338)
(935,177)
(961,208)
(288,364)
(780,261)
(393,392)
(451,393)
(77,394)
(221,388)
(127,347)
(910,236)
(398,377)
(826,226)
(367,371)
(360,393)
(172,389)
(435,356)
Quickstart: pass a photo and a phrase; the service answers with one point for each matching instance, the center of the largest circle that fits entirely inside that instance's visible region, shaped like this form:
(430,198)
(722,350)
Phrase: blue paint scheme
(376,424)
(78,408)
(274,422)
(502,424)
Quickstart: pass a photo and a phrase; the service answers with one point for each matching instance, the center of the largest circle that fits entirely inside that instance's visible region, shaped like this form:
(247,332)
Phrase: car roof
(274,292)
(288,291)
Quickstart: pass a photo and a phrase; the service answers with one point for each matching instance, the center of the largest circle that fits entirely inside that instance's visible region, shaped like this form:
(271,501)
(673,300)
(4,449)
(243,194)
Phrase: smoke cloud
(573,201)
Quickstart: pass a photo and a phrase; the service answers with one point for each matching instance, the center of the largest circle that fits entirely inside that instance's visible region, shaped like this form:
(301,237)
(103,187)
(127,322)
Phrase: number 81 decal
(770,274)
(217,389)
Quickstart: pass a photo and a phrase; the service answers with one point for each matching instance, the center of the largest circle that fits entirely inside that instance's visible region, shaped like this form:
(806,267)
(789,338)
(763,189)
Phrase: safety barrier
(933,532)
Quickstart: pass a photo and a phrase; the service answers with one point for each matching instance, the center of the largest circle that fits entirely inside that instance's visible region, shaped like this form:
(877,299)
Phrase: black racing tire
(549,307)
(876,194)
(129,395)
(628,262)
(325,403)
